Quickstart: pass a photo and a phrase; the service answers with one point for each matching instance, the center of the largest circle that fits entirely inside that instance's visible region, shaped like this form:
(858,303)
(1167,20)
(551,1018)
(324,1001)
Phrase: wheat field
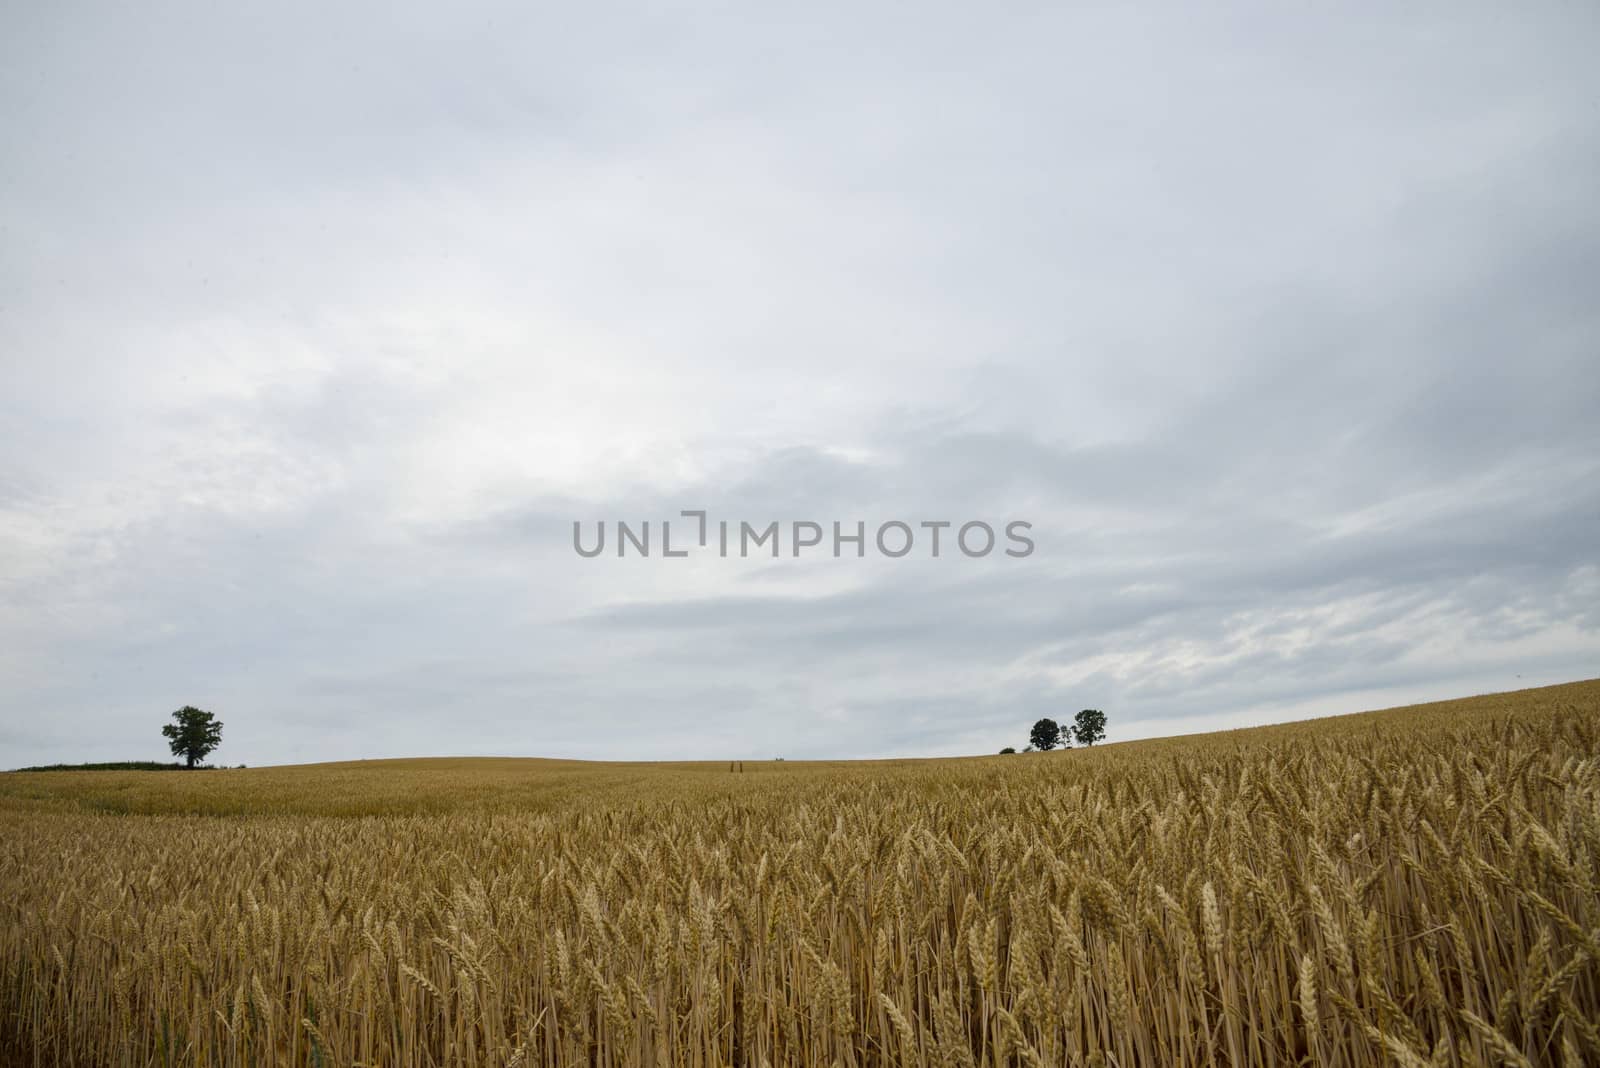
(1415,887)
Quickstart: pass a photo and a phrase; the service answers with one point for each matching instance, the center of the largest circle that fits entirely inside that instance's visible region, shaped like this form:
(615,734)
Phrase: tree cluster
(1088,727)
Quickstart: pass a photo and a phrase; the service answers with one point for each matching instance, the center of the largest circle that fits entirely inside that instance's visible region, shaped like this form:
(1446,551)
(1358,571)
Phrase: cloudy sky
(320,327)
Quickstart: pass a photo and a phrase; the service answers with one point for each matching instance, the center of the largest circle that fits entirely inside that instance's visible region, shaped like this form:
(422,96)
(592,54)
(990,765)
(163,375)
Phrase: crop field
(1418,886)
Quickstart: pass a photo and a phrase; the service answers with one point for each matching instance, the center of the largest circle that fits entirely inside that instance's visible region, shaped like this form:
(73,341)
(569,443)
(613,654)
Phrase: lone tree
(193,733)
(1007,749)
(1090,726)
(1045,736)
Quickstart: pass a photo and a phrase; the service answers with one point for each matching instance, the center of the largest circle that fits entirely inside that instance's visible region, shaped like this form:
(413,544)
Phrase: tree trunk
(190,757)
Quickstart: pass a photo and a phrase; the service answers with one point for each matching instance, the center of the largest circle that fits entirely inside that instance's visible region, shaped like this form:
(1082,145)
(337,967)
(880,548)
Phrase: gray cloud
(318,328)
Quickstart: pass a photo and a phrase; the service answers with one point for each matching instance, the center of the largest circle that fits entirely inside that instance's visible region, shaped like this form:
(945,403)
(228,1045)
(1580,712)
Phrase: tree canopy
(1046,735)
(1090,726)
(193,733)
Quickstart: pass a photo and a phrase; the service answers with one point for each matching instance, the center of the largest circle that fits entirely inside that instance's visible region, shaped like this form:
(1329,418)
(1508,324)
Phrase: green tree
(193,733)
(1090,726)
(1007,749)
(1045,736)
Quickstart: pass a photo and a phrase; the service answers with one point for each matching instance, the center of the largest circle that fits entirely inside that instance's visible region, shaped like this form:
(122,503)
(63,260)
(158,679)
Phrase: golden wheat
(1419,886)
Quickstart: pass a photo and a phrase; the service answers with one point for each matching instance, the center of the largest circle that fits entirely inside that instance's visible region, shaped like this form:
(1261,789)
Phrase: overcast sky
(320,326)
